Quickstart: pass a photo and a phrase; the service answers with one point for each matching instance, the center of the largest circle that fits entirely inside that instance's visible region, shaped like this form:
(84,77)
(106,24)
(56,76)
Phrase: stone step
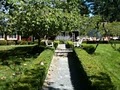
(61,54)
(63,50)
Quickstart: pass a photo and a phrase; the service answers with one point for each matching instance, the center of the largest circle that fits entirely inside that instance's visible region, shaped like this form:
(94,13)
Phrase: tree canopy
(108,9)
(43,17)
(49,17)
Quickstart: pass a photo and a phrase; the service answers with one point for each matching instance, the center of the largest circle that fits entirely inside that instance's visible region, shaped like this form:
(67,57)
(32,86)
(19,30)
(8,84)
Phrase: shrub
(35,42)
(35,74)
(3,42)
(115,41)
(69,44)
(56,43)
(98,77)
(42,43)
(61,41)
(118,49)
(89,49)
(22,87)
(22,42)
(11,42)
(94,42)
(30,42)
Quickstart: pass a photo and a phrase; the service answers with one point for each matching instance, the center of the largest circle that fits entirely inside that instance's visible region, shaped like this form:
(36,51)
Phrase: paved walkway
(64,74)
(58,77)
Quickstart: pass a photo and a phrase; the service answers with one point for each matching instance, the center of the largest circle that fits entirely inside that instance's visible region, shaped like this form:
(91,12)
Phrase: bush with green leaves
(89,48)
(30,42)
(56,43)
(11,42)
(22,42)
(26,67)
(34,74)
(61,41)
(69,44)
(3,42)
(42,43)
(101,67)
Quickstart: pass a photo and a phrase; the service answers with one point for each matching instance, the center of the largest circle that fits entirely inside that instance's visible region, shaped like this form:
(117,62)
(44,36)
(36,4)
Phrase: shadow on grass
(102,82)
(19,54)
(89,49)
(81,81)
(79,77)
(118,49)
(34,79)
(13,59)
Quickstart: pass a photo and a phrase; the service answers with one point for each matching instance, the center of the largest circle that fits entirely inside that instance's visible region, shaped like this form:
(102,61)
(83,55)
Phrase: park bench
(78,43)
(49,43)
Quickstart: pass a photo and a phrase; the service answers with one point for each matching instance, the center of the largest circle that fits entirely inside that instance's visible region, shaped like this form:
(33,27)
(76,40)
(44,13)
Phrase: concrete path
(58,77)
(61,46)
(65,73)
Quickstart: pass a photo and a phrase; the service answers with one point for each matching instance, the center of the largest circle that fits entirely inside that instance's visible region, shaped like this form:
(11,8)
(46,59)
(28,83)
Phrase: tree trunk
(97,45)
(33,38)
(97,26)
(38,41)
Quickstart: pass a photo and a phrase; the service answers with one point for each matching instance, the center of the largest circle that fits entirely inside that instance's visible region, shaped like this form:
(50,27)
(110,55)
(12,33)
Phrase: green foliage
(22,42)
(69,44)
(101,67)
(61,41)
(113,28)
(108,9)
(30,42)
(89,49)
(35,42)
(42,19)
(31,71)
(11,42)
(3,42)
(56,43)
(36,74)
(42,43)
(114,41)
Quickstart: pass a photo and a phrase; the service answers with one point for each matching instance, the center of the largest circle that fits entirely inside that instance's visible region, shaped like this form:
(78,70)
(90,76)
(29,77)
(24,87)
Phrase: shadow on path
(79,78)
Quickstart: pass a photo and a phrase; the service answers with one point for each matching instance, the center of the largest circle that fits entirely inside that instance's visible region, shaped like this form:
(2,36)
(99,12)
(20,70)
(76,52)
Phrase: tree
(113,28)
(40,18)
(108,9)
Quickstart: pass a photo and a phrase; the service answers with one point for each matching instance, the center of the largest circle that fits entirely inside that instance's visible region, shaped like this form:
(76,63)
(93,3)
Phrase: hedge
(69,44)
(11,42)
(56,43)
(33,73)
(3,42)
(22,42)
(96,74)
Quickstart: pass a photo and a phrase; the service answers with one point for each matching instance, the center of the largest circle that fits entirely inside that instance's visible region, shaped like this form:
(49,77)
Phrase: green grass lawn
(102,67)
(23,67)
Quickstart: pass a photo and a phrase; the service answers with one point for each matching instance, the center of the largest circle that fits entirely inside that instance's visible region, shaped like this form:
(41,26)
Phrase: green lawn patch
(102,67)
(23,67)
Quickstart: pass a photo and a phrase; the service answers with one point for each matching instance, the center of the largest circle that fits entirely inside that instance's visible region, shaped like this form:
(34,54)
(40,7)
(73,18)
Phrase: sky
(90,6)
(3,8)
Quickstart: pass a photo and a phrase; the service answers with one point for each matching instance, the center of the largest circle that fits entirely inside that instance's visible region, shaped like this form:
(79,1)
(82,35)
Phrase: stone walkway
(64,74)
(58,77)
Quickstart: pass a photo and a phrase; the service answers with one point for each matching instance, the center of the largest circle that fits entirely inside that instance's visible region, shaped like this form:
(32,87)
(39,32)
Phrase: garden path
(63,73)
